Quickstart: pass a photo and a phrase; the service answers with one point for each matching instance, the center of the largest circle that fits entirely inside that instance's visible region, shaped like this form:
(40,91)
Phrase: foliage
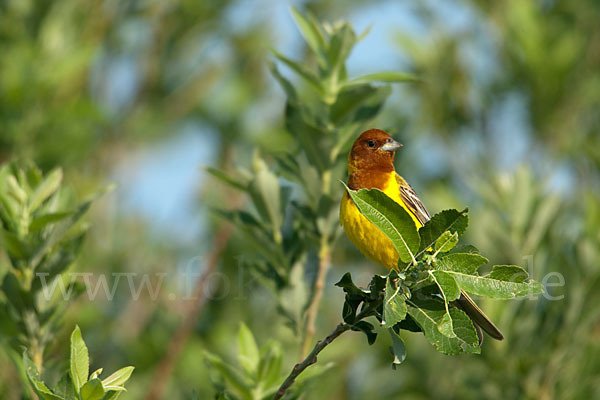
(430,277)
(503,118)
(259,370)
(429,281)
(323,122)
(78,383)
(42,234)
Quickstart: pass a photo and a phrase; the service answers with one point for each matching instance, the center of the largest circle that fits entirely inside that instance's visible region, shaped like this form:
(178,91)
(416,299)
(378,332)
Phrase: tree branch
(185,330)
(181,336)
(311,315)
(309,360)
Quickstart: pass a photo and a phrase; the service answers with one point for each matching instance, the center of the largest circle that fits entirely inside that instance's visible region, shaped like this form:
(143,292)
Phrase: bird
(371,166)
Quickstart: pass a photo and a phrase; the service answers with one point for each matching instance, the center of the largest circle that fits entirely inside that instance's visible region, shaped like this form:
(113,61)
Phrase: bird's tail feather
(467,304)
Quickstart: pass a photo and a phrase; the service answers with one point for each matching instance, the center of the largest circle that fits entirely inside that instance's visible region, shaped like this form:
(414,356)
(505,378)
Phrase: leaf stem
(313,309)
(310,359)
(37,354)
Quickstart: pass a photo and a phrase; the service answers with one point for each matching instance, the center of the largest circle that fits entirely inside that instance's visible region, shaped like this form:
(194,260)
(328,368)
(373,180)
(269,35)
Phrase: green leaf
(37,384)
(467,263)
(446,242)
(387,77)
(350,99)
(394,306)
(95,374)
(261,239)
(269,368)
(354,297)
(446,284)
(10,209)
(58,261)
(505,282)
(15,246)
(286,85)
(266,196)
(301,122)
(349,287)
(113,388)
(239,382)
(340,45)
(428,313)
(15,190)
(391,218)
(445,325)
(377,287)
(15,295)
(398,349)
(64,388)
(61,228)
(301,172)
(450,292)
(117,378)
(80,362)
(364,33)
(509,273)
(312,34)
(92,390)
(367,328)
(45,189)
(448,220)
(294,296)
(463,327)
(300,70)
(41,222)
(112,395)
(223,177)
(247,350)
(465,248)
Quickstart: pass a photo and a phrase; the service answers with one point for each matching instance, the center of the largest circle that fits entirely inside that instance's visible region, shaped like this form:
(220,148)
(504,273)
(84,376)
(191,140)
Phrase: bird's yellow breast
(373,243)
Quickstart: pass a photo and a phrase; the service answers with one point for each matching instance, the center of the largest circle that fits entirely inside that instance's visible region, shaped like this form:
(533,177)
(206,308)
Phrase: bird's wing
(410,198)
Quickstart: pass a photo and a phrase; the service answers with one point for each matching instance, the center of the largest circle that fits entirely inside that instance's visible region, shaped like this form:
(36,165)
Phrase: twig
(313,309)
(309,360)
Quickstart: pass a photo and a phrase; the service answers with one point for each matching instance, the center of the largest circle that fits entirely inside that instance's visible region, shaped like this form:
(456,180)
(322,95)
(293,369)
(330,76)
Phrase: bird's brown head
(373,151)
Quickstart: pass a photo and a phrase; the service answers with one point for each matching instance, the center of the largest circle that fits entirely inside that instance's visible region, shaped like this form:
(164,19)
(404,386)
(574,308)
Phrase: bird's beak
(391,145)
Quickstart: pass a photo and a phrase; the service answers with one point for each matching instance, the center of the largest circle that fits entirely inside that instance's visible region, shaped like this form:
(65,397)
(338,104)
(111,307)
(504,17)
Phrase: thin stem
(37,356)
(326,182)
(309,360)
(313,309)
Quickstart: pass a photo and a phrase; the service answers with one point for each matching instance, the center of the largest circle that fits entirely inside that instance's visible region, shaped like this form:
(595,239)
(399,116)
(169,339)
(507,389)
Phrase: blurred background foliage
(143,93)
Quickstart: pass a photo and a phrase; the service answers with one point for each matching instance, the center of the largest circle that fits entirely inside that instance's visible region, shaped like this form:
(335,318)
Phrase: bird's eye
(371,143)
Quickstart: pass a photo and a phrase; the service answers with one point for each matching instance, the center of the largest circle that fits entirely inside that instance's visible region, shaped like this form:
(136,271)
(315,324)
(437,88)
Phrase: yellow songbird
(371,166)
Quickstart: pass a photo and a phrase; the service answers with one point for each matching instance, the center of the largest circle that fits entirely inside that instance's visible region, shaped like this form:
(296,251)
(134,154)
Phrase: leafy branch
(310,359)
(419,298)
(323,120)
(287,232)
(41,233)
(77,382)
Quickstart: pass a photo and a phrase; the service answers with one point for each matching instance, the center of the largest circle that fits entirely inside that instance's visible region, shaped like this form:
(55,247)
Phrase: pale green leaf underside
(390,218)
(492,287)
